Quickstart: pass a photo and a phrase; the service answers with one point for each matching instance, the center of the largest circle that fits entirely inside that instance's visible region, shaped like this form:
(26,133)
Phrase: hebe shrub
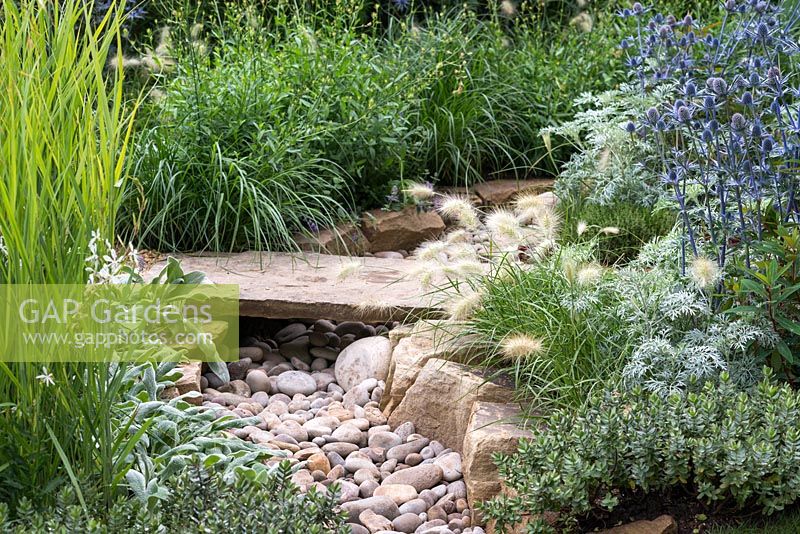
(201,499)
(723,446)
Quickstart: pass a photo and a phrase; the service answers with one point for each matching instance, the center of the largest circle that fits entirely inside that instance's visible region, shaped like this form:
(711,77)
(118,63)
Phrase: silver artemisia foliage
(606,165)
(674,330)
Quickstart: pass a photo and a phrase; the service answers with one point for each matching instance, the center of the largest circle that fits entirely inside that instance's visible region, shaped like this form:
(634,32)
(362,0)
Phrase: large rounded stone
(318,461)
(399,452)
(341,448)
(422,477)
(349,492)
(256,354)
(451,466)
(384,440)
(323,325)
(318,339)
(322,380)
(290,332)
(380,505)
(406,523)
(297,348)
(294,382)
(238,369)
(363,359)
(347,434)
(415,506)
(357,461)
(258,380)
(374,522)
(326,353)
(399,493)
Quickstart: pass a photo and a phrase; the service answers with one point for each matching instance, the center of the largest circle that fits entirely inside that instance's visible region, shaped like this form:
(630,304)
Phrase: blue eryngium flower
(738,122)
(762,31)
(728,104)
(630,127)
(718,86)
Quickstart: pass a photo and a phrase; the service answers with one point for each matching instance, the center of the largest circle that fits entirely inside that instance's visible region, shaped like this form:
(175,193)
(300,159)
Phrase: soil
(692,516)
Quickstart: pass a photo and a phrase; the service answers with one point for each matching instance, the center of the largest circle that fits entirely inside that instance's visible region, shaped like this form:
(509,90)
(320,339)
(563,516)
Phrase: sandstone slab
(400,230)
(309,285)
(664,524)
(492,428)
(496,192)
(413,347)
(189,382)
(440,401)
(344,240)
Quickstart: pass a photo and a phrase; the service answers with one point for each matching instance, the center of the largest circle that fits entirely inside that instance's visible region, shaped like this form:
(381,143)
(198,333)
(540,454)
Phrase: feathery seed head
(582,227)
(517,346)
(503,223)
(349,269)
(426,272)
(589,274)
(457,236)
(431,250)
(460,210)
(548,221)
(609,230)
(461,251)
(570,269)
(468,267)
(464,306)
(419,191)
(507,8)
(526,202)
(704,272)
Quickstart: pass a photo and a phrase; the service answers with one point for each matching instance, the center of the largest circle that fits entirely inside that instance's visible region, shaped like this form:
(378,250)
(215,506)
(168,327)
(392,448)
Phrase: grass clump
(621,229)
(64,131)
(291,123)
(543,327)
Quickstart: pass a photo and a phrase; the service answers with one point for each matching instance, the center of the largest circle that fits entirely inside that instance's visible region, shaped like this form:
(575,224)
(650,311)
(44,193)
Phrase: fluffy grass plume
(419,191)
(430,250)
(704,272)
(460,251)
(349,269)
(460,210)
(609,230)
(426,272)
(527,206)
(548,221)
(517,346)
(463,305)
(504,224)
(457,236)
(589,274)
